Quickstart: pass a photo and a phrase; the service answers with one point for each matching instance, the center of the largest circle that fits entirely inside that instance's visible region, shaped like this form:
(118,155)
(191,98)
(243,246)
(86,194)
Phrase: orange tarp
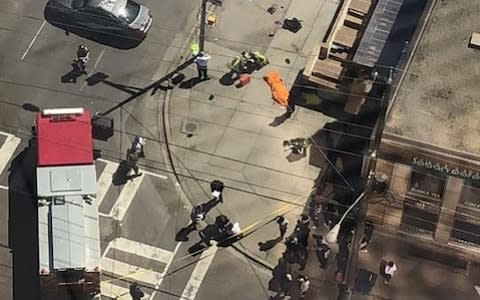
(279,90)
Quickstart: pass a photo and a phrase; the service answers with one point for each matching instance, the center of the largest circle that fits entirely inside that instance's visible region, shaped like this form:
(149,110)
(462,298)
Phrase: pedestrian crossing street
(123,258)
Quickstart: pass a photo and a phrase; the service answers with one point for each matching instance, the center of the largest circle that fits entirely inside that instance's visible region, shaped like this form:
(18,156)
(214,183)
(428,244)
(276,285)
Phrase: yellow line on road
(281,210)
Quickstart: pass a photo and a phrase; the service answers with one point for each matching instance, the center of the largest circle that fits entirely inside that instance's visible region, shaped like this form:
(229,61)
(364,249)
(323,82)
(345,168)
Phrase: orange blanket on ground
(279,90)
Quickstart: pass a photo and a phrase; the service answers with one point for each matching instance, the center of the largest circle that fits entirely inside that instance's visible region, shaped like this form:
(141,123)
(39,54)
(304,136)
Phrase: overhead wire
(323,148)
(343,133)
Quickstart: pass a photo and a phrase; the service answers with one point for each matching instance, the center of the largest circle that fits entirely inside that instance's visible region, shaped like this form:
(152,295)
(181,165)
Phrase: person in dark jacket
(322,250)
(135,291)
(131,162)
(282,225)
(216,187)
(367,237)
(83,56)
(197,215)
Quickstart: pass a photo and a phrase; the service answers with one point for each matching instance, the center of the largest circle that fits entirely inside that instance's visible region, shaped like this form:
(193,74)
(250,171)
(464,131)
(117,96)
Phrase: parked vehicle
(120,18)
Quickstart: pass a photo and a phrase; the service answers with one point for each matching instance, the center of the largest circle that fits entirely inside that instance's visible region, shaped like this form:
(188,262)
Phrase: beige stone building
(430,149)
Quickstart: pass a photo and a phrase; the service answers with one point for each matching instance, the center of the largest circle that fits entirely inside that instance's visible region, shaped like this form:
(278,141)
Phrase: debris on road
(293,25)
(272,9)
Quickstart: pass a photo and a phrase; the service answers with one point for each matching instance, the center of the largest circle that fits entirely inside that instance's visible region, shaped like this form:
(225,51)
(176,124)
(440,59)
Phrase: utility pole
(203,21)
(345,292)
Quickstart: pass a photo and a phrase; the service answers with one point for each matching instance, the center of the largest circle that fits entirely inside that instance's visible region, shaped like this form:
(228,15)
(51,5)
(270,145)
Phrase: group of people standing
(297,252)
(221,230)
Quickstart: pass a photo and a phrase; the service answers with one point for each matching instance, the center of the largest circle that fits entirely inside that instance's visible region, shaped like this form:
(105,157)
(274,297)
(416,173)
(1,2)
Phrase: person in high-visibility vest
(194,48)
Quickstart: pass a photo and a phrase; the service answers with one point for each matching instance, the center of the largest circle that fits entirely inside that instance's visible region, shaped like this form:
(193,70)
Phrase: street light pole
(352,263)
(332,235)
(203,22)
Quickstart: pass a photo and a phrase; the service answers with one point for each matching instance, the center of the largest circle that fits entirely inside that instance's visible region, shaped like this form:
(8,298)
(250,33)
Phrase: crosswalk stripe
(7,150)
(126,197)
(116,292)
(141,249)
(193,285)
(105,180)
(121,269)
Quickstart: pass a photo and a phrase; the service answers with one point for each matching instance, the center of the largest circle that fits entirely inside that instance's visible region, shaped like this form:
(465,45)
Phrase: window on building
(419,217)
(466,226)
(471,194)
(465,232)
(427,184)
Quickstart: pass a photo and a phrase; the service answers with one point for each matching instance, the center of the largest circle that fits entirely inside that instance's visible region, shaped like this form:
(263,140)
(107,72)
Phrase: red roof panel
(64,140)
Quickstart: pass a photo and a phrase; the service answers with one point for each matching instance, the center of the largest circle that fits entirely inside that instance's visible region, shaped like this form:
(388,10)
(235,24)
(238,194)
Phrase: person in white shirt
(390,269)
(202,65)
(304,285)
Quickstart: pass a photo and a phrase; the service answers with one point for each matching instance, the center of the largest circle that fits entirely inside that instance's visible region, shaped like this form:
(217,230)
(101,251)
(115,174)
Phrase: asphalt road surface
(138,223)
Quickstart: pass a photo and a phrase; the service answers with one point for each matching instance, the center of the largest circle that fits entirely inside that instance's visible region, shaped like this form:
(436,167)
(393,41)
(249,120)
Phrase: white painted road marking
(105,180)
(126,197)
(165,270)
(7,150)
(116,292)
(143,250)
(124,270)
(477,288)
(141,170)
(154,174)
(193,285)
(33,40)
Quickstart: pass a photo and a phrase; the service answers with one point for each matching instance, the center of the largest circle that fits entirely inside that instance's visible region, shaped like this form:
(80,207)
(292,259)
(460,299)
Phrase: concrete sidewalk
(422,273)
(222,132)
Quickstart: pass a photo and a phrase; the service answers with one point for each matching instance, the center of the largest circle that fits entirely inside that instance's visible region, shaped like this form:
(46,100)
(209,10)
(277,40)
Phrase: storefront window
(419,217)
(471,194)
(466,233)
(423,183)
(466,227)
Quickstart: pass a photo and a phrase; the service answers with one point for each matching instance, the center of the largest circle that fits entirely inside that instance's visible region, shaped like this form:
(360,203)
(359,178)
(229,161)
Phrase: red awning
(64,139)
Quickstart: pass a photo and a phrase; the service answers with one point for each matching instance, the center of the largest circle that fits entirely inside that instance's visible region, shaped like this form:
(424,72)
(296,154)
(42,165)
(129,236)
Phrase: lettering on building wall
(471,204)
(444,168)
(426,193)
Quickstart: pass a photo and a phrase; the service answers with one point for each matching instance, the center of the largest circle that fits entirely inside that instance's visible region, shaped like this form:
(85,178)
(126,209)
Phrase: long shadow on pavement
(23,226)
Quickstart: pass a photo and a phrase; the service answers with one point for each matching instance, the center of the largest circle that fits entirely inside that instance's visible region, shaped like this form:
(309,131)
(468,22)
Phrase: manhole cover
(189,127)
